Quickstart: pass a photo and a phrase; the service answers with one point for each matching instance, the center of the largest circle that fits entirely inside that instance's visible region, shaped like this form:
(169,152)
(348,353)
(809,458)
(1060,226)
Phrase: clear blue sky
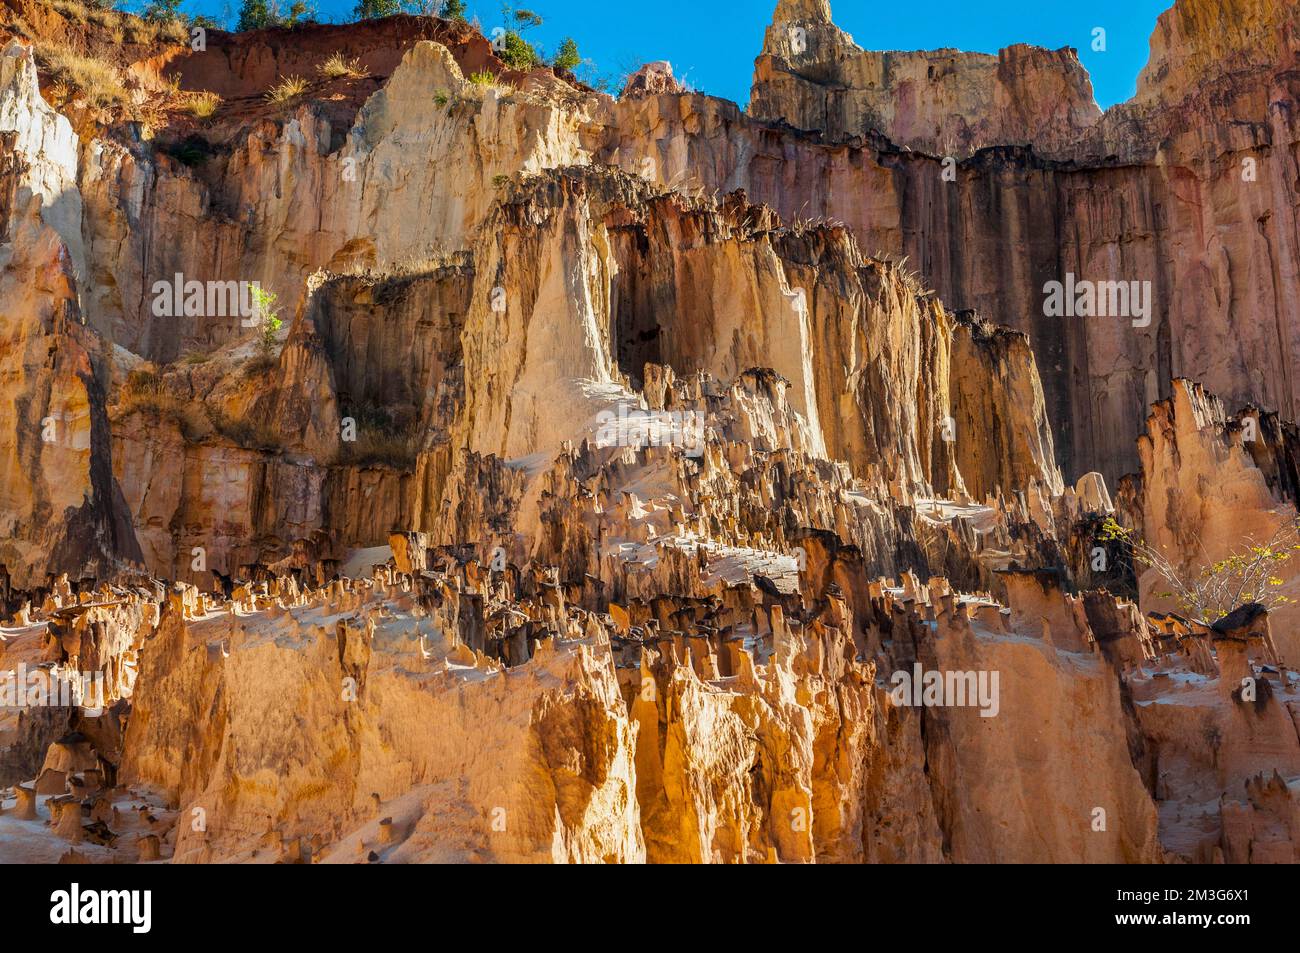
(713,42)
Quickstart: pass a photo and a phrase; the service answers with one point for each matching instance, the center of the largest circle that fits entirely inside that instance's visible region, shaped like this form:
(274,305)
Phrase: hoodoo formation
(417,456)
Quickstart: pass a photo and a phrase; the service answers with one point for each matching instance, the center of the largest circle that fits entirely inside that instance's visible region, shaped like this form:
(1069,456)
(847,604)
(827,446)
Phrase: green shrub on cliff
(374,9)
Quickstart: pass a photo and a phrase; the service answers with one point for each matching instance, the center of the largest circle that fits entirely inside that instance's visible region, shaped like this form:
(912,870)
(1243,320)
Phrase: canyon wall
(615,457)
(1190,187)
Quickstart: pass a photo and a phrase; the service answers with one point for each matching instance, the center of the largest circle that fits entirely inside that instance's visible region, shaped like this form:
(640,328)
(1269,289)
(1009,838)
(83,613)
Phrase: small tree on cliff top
(269,314)
(1248,574)
(374,9)
(510,45)
(255,14)
(568,57)
(259,14)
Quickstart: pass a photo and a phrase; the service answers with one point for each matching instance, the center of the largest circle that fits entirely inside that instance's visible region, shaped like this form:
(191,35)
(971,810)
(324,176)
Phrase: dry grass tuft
(381,439)
(203,105)
(98,81)
(148,32)
(373,448)
(246,433)
(336,67)
(145,392)
(484,80)
(122,26)
(289,88)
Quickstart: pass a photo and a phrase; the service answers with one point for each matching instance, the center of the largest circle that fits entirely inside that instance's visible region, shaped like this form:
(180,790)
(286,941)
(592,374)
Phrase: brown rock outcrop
(942,102)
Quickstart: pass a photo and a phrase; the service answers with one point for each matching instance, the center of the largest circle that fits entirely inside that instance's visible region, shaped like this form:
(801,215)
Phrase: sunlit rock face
(59,512)
(640,480)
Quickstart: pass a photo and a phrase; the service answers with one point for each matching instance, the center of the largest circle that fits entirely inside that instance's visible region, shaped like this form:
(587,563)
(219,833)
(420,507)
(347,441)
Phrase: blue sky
(713,42)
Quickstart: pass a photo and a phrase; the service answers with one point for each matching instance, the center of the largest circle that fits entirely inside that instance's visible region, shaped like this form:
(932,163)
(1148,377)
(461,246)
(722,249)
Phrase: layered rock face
(943,102)
(1190,188)
(595,504)
(59,510)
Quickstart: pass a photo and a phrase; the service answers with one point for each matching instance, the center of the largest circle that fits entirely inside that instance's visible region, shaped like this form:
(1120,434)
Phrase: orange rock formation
(615,490)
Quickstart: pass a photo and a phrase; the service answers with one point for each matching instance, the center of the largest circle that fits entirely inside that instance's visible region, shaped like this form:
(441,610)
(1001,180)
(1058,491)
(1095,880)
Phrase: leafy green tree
(518,52)
(454,10)
(266,309)
(373,9)
(568,56)
(514,50)
(524,19)
(255,14)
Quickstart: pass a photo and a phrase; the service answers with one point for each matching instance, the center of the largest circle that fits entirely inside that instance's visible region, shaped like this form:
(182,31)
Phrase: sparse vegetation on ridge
(380,439)
(260,14)
(373,9)
(1249,574)
(99,82)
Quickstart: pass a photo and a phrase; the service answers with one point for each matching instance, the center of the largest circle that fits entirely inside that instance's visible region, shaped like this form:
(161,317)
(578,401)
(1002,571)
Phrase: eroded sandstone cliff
(613,466)
(1190,187)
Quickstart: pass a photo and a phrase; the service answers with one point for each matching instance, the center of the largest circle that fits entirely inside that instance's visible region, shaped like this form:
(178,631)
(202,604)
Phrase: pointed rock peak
(798,11)
(651,80)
